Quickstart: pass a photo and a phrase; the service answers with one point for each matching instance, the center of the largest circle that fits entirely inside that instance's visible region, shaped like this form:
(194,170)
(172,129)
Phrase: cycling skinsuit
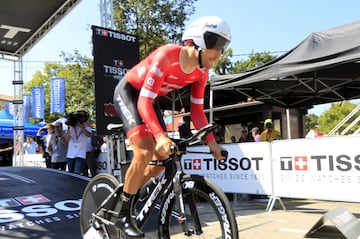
(157,75)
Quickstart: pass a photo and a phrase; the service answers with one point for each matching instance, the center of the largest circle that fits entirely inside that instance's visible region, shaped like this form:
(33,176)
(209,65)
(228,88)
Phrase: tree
(254,60)
(310,121)
(78,72)
(225,65)
(336,113)
(154,22)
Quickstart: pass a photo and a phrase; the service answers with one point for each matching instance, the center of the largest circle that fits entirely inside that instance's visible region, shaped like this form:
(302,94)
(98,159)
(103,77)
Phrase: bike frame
(168,187)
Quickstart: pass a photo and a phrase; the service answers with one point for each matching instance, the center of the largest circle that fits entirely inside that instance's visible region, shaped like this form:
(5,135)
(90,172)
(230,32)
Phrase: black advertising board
(114,54)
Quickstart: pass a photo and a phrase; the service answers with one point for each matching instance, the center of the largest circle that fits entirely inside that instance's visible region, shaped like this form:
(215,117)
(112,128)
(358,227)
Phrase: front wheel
(95,193)
(208,213)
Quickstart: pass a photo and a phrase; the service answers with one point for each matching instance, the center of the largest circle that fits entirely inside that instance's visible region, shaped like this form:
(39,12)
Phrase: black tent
(23,23)
(323,68)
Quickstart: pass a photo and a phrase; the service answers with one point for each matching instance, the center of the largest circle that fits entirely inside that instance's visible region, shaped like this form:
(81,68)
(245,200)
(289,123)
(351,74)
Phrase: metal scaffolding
(18,158)
(107,14)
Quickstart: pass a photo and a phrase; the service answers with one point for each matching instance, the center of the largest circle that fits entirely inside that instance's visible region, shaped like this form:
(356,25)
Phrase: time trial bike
(187,206)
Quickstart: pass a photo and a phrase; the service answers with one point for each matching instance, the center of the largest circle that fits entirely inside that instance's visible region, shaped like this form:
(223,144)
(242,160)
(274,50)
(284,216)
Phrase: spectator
(103,147)
(233,139)
(256,134)
(30,145)
(91,154)
(245,136)
(44,141)
(58,148)
(6,154)
(269,134)
(76,136)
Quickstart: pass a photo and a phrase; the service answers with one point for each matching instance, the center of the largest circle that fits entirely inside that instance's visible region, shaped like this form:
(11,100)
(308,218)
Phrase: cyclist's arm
(198,115)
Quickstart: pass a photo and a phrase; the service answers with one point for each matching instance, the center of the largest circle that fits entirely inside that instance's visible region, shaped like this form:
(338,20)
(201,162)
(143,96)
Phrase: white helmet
(209,32)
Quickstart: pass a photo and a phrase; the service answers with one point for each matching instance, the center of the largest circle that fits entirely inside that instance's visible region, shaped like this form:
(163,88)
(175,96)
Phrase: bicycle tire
(211,208)
(96,191)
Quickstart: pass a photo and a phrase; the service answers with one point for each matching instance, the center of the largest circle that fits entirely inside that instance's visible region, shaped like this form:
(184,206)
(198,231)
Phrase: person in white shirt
(30,145)
(58,148)
(77,136)
(44,141)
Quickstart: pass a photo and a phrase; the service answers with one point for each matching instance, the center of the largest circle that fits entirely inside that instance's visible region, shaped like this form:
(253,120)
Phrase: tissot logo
(300,163)
(194,164)
(10,33)
(23,200)
(231,164)
(32,199)
(116,35)
(35,210)
(341,162)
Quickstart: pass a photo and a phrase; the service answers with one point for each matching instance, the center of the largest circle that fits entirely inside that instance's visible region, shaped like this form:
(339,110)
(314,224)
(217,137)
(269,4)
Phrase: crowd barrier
(34,160)
(326,168)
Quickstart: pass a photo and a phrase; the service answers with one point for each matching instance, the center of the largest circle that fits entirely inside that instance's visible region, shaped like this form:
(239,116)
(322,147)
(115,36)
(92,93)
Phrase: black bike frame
(166,181)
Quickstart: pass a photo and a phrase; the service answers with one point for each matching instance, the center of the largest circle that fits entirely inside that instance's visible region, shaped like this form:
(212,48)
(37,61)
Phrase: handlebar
(199,136)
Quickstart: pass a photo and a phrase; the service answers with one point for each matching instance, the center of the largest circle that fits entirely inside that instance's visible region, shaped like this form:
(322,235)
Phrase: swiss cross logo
(104,32)
(32,199)
(118,63)
(197,164)
(301,163)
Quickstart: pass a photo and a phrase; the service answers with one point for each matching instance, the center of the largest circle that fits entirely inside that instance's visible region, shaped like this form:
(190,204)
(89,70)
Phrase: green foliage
(310,121)
(225,65)
(155,22)
(254,60)
(335,114)
(78,72)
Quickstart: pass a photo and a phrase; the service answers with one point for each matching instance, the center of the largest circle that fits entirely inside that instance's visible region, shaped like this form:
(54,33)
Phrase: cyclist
(168,68)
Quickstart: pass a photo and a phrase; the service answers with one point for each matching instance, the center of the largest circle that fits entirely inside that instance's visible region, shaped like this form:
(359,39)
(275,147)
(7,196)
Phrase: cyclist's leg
(142,143)
(152,170)
(142,153)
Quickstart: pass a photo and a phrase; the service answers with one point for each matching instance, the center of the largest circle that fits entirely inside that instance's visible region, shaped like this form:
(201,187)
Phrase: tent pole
(288,123)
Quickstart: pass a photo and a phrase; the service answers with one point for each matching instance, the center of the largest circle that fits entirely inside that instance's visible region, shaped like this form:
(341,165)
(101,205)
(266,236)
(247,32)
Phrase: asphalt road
(295,222)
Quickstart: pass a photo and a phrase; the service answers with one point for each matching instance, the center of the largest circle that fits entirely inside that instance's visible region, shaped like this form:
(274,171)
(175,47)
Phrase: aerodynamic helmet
(208,32)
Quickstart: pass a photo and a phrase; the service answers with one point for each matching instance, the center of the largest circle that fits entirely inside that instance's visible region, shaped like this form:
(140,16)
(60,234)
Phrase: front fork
(179,200)
(180,205)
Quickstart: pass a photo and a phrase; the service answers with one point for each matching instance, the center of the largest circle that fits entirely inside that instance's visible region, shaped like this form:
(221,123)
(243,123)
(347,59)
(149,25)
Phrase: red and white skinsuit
(161,73)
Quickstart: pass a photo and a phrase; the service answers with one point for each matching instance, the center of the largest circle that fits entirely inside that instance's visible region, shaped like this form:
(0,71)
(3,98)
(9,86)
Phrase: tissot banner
(114,54)
(27,108)
(38,102)
(57,95)
(9,107)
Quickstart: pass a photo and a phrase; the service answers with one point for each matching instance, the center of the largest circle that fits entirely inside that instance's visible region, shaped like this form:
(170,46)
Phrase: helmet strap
(199,59)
